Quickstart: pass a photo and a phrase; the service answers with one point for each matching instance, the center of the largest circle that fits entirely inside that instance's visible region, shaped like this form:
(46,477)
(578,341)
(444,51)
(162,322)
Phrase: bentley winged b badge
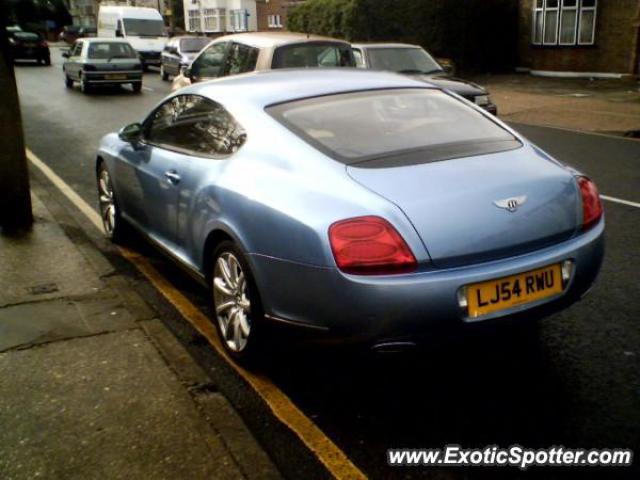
(511,204)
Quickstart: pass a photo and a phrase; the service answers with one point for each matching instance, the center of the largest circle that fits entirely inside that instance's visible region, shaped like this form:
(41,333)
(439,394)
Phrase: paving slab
(102,407)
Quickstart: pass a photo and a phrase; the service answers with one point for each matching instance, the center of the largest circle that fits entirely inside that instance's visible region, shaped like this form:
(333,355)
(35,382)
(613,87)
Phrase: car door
(149,172)
(240,58)
(217,136)
(74,62)
(210,62)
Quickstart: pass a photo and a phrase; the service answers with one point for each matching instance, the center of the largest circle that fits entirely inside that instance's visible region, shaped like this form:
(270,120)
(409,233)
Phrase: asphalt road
(574,382)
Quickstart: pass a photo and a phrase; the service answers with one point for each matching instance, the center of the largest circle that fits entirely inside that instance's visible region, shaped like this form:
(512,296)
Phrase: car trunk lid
(459,207)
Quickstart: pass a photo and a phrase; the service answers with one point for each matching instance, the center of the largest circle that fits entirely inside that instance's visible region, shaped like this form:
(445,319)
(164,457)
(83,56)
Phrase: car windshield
(27,36)
(313,54)
(403,60)
(108,50)
(363,126)
(143,28)
(193,44)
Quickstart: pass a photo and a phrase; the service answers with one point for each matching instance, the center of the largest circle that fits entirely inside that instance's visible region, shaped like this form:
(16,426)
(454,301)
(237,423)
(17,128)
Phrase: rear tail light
(44,43)
(369,246)
(591,204)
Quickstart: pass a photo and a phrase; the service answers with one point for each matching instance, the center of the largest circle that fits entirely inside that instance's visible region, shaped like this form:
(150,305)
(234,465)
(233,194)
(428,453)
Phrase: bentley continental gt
(366,207)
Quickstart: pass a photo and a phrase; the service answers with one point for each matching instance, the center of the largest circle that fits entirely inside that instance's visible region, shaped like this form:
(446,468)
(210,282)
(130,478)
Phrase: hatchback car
(179,53)
(102,61)
(416,62)
(246,52)
(29,46)
(362,206)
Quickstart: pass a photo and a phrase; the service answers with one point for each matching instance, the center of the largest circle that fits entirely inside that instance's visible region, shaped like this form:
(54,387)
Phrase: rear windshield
(397,127)
(28,36)
(313,54)
(193,44)
(403,60)
(107,50)
(135,27)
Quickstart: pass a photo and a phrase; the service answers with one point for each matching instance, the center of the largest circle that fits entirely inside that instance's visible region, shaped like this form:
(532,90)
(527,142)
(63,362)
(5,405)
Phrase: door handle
(172,176)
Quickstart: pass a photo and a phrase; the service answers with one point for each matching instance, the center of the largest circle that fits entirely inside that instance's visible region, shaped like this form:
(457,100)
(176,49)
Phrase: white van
(142,27)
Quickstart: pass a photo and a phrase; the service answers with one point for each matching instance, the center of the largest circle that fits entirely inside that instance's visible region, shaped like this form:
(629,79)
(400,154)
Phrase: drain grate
(43,288)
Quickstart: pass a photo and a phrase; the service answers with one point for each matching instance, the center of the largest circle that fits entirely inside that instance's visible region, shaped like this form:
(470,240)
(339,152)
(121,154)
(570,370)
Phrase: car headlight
(482,100)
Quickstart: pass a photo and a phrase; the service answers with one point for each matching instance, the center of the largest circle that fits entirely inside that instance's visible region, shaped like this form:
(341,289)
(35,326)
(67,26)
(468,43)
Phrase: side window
(357,54)
(240,59)
(77,50)
(209,63)
(194,124)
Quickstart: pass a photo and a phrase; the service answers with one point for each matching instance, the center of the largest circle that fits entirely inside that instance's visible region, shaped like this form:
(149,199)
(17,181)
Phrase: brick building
(579,37)
(272,14)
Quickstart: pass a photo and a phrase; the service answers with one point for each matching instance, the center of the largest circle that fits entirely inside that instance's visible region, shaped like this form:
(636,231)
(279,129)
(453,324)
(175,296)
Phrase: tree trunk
(15,198)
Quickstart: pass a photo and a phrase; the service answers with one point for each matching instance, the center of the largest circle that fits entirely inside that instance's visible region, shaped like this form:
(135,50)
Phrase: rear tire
(164,75)
(137,87)
(237,307)
(47,61)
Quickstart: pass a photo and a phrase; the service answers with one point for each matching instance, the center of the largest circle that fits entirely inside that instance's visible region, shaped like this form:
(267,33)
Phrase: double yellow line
(327,452)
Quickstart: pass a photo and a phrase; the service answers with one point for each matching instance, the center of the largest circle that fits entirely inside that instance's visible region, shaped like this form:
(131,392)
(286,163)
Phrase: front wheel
(114,227)
(85,87)
(68,81)
(237,306)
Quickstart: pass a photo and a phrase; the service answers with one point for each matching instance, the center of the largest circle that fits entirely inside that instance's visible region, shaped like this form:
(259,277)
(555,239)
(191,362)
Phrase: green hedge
(479,35)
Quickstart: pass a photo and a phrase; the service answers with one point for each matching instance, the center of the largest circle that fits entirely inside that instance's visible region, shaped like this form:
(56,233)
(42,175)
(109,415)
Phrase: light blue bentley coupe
(363,206)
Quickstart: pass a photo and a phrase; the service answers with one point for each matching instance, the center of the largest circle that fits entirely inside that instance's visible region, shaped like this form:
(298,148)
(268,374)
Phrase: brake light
(591,204)
(44,43)
(369,246)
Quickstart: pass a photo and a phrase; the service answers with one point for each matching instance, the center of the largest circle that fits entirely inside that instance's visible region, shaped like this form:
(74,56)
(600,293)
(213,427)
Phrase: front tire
(85,86)
(112,222)
(236,303)
(68,81)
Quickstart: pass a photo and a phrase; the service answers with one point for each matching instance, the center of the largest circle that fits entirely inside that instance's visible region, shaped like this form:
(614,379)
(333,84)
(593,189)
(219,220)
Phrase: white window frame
(579,8)
(194,20)
(563,10)
(216,18)
(593,9)
(238,20)
(275,21)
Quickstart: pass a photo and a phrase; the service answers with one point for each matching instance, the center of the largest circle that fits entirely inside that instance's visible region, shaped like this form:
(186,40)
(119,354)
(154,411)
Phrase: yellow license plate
(115,77)
(503,293)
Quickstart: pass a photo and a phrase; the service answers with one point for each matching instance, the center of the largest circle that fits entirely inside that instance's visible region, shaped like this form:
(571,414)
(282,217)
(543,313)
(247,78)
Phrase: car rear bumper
(35,53)
(103,77)
(150,58)
(354,308)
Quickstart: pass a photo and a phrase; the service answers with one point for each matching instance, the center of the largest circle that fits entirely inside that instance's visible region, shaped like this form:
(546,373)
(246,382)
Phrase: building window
(214,19)
(275,21)
(238,20)
(564,22)
(194,20)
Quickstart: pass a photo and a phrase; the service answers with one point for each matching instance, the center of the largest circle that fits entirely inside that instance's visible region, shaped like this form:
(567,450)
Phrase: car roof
(103,40)
(261,89)
(275,39)
(385,45)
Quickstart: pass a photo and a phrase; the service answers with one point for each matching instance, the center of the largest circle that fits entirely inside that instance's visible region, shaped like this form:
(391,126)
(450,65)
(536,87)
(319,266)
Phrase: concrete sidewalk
(603,106)
(92,385)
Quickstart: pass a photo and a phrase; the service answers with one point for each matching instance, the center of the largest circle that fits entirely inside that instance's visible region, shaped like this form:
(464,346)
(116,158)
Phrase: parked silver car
(102,61)
(179,53)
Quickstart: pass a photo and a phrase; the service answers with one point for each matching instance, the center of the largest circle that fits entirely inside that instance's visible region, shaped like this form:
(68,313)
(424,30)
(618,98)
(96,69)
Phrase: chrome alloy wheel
(233,308)
(107,202)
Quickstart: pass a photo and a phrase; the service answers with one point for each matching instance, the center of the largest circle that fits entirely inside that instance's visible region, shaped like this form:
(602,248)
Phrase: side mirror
(118,33)
(66,54)
(131,133)
(187,72)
